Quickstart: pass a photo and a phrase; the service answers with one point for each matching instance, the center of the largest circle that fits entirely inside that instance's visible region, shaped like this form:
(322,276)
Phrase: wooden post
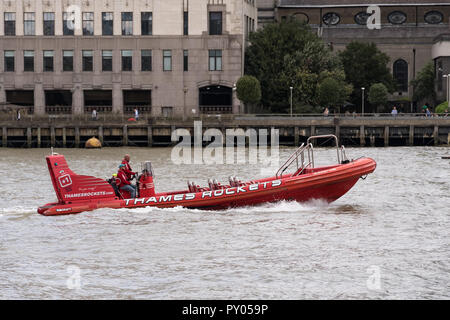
(411,136)
(77,137)
(172,129)
(5,137)
(312,133)
(64,133)
(39,138)
(28,137)
(386,136)
(100,134)
(125,135)
(296,136)
(362,136)
(52,136)
(149,136)
(436,135)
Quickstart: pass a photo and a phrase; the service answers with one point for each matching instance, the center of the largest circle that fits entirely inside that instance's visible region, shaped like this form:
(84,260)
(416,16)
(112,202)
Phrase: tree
(365,65)
(248,90)
(378,96)
(289,54)
(333,93)
(424,84)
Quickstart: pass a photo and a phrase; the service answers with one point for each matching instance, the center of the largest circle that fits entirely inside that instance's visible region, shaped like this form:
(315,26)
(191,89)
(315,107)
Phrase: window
(48,60)
(28,60)
(146,60)
(146,23)
(185,23)
(127,23)
(88,23)
(433,17)
(68,23)
(68,60)
(88,60)
(397,17)
(215,23)
(185,60)
(127,60)
(400,73)
(107,23)
(107,56)
(215,60)
(9,61)
(167,60)
(331,18)
(10,24)
(167,111)
(49,23)
(29,24)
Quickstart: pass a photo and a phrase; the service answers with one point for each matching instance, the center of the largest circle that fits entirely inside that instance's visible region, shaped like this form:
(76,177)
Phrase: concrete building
(171,57)
(411,32)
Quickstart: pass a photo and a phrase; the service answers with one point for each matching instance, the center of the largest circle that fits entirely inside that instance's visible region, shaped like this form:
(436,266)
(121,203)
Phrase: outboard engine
(145,181)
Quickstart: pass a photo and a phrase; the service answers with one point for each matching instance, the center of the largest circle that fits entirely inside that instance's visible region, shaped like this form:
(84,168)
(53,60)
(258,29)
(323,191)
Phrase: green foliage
(365,65)
(378,95)
(442,107)
(248,89)
(288,54)
(424,83)
(333,92)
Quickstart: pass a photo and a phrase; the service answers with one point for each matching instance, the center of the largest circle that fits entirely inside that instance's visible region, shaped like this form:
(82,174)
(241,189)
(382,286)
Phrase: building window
(185,60)
(440,77)
(9,61)
(10,24)
(48,60)
(88,60)
(107,23)
(146,24)
(28,61)
(302,17)
(49,23)
(167,111)
(127,23)
(146,60)
(185,23)
(167,60)
(215,60)
(29,24)
(107,57)
(400,73)
(127,60)
(433,17)
(88,23)
(397,17)
(68,60)
(215,22)
(361,18)
(331,18)
(68,23)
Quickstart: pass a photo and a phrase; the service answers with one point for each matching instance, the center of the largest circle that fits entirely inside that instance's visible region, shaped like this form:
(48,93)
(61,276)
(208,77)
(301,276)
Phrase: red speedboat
(78,193)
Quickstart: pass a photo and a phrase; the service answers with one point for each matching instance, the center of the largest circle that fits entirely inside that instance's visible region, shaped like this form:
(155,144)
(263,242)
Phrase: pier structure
(292,131)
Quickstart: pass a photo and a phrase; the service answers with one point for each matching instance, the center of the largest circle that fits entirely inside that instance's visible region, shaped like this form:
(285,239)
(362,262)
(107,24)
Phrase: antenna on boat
(53,153)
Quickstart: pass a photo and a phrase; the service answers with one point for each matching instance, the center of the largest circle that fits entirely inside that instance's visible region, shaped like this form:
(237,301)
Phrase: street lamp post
(291,99)
(362,98)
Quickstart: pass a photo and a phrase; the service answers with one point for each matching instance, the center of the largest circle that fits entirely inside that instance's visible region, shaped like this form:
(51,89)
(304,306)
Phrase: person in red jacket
(128,171)
(124,182)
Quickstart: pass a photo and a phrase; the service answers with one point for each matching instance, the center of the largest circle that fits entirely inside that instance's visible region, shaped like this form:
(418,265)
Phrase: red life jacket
(128,171)
(123,178)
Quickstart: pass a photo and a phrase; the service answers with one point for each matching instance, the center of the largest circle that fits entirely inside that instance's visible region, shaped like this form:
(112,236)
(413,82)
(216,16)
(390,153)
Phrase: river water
(388,238)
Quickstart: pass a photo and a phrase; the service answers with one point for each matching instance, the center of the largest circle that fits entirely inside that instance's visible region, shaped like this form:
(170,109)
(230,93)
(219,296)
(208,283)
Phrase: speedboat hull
(326,183)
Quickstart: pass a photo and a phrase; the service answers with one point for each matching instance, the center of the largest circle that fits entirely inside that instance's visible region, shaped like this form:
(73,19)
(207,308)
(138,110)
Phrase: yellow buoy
(93,143)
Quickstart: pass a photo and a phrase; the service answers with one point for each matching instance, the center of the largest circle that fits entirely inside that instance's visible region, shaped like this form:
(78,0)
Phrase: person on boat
(128,171)
(125,184)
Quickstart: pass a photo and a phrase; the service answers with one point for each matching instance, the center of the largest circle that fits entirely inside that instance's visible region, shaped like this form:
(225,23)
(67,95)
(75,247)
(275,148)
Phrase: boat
(296,180)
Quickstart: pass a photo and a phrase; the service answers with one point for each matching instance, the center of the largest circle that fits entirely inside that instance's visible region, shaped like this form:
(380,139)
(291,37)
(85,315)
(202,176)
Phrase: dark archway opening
(215,99)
